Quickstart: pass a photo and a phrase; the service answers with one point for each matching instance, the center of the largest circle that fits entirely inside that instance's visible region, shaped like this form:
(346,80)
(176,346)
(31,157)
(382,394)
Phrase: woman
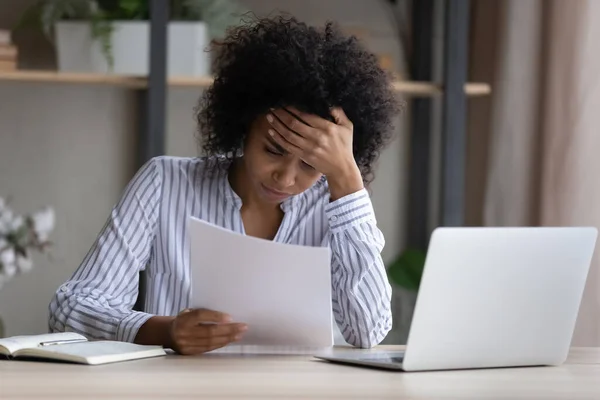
(291,127)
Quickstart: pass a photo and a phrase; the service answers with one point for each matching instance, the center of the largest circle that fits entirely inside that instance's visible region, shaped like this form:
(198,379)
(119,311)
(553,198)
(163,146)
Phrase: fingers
(218,330)
(292,123)
(197,316)
(210,340)
(281,131)
(201,338)
(340,117)
(284,143)
(310,119)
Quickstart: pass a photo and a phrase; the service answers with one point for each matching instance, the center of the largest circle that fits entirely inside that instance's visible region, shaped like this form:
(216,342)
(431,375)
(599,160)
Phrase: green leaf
(217,14)
(406,271)
(102,30)
(133,9)
(45,13)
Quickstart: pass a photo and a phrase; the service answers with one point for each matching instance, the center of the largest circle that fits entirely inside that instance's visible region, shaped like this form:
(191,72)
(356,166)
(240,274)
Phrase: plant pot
(403,305)
(78,51)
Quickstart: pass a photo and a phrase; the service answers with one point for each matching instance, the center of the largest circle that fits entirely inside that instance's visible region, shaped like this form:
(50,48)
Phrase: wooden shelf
(84,79)
(424,89)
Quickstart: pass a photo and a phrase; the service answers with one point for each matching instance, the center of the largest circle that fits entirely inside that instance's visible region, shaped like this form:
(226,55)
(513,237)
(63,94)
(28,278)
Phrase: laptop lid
(494,297)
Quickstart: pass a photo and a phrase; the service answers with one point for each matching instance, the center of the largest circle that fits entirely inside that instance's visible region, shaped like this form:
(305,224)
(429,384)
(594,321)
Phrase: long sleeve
(97,301)
(360,289)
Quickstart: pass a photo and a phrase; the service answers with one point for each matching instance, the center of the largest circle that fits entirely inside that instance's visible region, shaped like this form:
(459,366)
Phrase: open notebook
(74,348)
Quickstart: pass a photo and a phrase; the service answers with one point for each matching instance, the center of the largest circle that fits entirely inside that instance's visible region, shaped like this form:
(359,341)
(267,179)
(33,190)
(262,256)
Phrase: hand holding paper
(200,330)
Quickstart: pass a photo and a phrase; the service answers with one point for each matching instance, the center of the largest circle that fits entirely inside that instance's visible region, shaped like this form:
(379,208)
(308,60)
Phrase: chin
(271,195)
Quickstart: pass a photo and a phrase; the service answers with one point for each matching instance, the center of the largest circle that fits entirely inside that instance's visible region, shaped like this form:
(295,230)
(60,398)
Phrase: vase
(403,305)
(78,51)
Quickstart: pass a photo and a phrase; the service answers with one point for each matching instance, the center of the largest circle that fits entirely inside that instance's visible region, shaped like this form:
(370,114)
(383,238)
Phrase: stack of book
(8,52)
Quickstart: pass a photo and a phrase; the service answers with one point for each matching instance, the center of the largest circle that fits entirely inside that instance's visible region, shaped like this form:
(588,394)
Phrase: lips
(274,194)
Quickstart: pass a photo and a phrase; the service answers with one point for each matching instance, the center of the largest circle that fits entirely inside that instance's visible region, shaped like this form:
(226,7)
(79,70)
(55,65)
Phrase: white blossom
(16,238)
(43,223)
(8,256)
(6,220)
(8,259)
(17,223)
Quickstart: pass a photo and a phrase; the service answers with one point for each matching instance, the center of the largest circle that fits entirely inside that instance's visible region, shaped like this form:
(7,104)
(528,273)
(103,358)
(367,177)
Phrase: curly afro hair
(278,62)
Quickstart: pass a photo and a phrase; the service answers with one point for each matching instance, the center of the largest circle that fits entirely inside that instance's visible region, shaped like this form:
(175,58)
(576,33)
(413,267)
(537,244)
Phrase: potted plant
(405,274)
(112,36)
(20,235)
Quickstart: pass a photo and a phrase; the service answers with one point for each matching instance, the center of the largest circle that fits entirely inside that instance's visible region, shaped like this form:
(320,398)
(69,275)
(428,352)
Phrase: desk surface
(227,376)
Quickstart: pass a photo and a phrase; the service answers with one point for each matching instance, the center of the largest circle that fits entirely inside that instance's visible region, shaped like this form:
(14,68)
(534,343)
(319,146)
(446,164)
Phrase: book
(8,52)
(5,37)
(6,65)
(74,348)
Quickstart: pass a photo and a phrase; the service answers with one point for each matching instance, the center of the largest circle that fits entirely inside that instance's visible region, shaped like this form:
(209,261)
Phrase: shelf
(424,89)
(84,79)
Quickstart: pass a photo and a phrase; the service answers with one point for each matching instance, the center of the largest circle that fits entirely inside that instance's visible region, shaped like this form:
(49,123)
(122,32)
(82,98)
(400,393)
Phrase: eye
(272,151)
(308,166)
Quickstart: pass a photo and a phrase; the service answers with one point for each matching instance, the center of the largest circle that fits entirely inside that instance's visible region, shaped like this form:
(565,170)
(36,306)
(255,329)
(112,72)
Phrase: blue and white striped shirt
(147,229)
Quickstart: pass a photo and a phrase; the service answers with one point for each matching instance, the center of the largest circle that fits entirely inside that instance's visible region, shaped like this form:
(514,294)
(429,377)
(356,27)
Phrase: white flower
(6,220)
(8,256)
(43,223)
(8,259)
(25,264)
(16,223)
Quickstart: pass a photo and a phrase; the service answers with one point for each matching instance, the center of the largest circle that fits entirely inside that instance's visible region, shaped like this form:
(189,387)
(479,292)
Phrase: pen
(54,342)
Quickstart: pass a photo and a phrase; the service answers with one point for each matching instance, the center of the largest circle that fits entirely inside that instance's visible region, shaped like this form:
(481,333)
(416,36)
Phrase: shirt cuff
(350,210)
(130,325)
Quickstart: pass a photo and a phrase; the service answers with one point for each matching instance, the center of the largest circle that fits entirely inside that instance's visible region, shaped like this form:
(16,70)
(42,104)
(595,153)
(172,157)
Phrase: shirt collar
(226,190)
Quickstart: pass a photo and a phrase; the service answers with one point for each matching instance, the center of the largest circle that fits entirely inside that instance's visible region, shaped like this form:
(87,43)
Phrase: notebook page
(96,352)
(15,343)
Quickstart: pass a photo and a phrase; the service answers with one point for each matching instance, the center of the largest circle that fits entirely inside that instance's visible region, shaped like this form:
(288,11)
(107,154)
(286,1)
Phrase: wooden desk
(261,377)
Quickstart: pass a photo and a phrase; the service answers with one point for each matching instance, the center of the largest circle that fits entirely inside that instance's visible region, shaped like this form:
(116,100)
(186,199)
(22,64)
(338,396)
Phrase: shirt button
(334,218)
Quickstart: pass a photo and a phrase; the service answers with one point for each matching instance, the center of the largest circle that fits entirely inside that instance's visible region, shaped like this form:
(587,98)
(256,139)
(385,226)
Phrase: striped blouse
(147,230)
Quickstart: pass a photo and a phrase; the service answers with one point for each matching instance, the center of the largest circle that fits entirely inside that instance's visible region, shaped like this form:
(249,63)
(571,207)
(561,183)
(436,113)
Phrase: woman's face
(274,174)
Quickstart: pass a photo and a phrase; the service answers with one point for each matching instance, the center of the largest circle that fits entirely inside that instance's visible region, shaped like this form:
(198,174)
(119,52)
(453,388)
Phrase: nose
(285,176)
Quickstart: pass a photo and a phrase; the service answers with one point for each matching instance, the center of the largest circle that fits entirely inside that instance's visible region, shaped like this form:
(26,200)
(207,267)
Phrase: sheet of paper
(282,291)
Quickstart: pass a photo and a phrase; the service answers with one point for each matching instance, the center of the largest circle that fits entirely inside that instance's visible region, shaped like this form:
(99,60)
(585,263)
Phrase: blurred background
(499,126)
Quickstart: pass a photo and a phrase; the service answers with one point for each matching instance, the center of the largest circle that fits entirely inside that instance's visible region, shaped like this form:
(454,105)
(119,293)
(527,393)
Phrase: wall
(73,147)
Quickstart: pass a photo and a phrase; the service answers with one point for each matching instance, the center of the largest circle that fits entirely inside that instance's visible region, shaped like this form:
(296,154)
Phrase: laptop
(492,297)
